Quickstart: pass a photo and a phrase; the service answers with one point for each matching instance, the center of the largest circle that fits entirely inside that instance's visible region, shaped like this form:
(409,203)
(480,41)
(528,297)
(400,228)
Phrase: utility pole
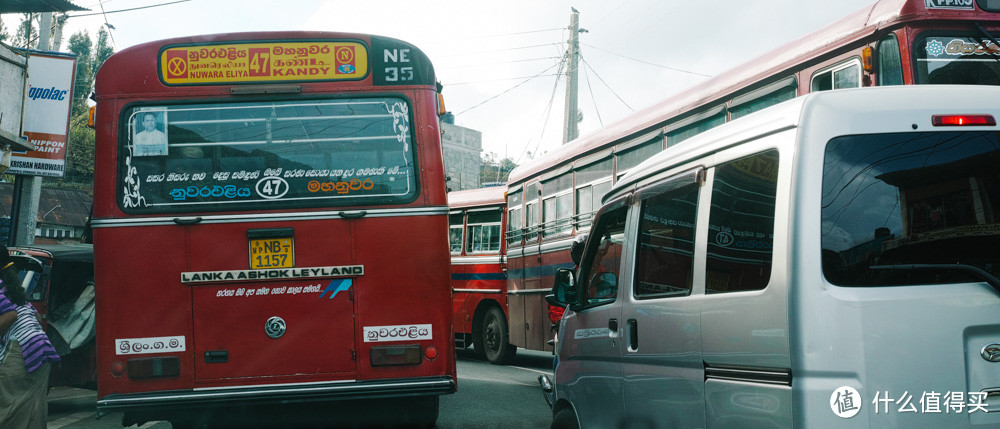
(571,120)
(28,189)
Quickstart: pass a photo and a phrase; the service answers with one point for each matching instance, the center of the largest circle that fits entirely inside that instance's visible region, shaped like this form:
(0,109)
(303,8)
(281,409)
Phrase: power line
(493,36)
(508,90)
(647,62)
(605,83)
(497,80)
(548,109)
(592,98)
(495,50)
(126,10)
(501,63)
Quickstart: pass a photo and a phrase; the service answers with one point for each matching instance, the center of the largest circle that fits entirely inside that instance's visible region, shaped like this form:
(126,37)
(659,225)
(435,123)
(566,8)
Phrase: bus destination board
(263,62)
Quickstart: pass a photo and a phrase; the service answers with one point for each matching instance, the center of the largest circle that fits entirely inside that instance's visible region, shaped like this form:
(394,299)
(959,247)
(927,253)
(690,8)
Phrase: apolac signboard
(45,123)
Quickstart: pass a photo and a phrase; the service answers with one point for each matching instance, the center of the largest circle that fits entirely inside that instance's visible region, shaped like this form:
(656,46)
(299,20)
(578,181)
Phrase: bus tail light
(117,369)
(431,353)
(963,120)
(395,355)
(154,367)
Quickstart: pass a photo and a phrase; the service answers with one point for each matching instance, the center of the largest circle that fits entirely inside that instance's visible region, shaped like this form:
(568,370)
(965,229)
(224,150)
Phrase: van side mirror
(564,290)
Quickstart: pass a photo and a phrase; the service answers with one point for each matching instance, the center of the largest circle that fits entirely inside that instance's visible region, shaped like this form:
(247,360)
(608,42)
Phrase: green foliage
(494,170)
(79,156)
(25,33)
(81,45)
(102,51)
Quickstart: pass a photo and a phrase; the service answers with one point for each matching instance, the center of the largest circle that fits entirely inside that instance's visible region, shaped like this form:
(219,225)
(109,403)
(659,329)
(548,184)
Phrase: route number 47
(398,74)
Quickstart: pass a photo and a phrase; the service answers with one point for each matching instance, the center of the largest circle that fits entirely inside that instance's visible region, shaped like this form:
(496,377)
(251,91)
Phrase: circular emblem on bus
(991,352)
(275,327)
(724,239)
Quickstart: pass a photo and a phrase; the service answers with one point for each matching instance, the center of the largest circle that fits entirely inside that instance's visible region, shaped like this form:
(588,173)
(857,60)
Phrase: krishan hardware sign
(263,62)
(45,123)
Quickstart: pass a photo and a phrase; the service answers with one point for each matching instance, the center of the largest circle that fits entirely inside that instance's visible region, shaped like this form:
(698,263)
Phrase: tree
(26,33)
(4,36)
(493,170)
(80,44)
(102,51)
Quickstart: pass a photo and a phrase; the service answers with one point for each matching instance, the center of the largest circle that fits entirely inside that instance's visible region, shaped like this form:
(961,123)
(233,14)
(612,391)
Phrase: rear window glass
(266,155)
(911,208)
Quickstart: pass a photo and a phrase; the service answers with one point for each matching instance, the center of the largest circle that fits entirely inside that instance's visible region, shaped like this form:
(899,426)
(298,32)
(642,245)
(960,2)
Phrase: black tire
(565,419)
(496,338)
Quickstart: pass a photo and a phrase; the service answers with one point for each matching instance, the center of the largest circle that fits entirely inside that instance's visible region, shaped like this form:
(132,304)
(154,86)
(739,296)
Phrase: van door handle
(613,326)
(633,335)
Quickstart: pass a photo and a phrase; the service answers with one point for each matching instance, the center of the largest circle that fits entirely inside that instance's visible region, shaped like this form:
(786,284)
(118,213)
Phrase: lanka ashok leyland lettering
(828,262)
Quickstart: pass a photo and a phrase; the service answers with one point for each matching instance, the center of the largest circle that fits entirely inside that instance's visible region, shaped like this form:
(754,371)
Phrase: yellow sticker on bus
(263,62)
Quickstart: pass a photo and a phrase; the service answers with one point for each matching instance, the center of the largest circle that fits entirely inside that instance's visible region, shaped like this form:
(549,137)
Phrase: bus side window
(890,66)
(741,224)
(843,75)
(455,231)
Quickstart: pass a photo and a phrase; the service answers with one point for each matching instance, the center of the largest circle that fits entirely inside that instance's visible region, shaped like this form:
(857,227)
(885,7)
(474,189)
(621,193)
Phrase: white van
(830,262)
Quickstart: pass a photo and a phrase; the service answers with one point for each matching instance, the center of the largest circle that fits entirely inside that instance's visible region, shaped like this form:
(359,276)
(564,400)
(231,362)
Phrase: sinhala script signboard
(45,122)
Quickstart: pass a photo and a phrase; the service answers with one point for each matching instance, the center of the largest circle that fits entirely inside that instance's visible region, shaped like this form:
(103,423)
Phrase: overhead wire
(592,98)
(605,83)
(508,89)
(647,62)
(103,12)
(548,110)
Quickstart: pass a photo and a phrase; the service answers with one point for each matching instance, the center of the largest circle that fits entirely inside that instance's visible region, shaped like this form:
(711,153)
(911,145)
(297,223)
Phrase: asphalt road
(489,397)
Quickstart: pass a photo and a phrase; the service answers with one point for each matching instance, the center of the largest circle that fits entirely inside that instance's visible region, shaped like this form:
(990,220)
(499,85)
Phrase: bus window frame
(920,38)
(499,224)
(461,232)
(124,132)
(853,61)
(880,46)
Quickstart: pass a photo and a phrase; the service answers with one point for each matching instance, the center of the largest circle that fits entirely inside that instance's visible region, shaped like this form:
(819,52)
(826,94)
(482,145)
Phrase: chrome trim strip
(772,376)
(535,249)
(529,291)
(475,260)
(477,290)
(318,391)
(266,217)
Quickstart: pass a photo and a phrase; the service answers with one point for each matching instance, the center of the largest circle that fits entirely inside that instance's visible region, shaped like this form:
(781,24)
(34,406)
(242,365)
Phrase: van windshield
(927,201)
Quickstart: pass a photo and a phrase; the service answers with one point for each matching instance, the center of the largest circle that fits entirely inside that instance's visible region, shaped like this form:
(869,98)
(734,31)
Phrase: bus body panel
(358,311)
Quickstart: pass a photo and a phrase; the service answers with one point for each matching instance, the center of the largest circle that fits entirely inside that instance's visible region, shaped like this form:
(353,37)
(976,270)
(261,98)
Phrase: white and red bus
(553,198)
(270,228)
(479,272)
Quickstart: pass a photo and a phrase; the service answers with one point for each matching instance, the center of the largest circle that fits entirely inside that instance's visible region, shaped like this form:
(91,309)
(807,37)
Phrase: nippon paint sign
(48,97)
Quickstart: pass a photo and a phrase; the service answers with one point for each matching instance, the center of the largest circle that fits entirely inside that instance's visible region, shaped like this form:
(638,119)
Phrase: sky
(498,60)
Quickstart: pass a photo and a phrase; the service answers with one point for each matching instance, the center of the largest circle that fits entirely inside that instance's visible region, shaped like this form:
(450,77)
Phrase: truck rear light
(154,367)
(962,120)
(431,353)
(395,355)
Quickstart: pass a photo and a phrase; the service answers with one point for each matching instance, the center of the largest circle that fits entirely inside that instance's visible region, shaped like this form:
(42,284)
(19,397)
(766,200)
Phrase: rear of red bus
(270,227)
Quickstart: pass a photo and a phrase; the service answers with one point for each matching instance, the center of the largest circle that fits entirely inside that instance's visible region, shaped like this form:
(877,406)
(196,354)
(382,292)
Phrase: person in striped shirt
(26,355)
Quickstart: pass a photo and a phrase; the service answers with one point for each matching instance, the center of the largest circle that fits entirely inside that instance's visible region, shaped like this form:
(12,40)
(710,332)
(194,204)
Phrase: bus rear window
(911,208)
(266,155)
(957,60)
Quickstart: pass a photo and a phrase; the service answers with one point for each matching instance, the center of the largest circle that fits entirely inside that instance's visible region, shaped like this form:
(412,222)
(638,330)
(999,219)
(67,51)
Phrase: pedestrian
(26,355)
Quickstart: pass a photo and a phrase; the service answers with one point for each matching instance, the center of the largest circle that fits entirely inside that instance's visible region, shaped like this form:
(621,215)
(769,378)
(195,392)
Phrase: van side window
(666,244)
(604,257)
(741,224)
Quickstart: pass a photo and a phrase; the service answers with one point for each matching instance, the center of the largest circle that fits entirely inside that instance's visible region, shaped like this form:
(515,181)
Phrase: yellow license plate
(272,253)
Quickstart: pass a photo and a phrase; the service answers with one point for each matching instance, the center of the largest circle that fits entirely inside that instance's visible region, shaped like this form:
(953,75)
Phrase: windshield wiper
(976,272)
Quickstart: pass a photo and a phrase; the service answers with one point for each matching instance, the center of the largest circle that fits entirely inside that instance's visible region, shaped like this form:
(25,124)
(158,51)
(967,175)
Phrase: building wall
(463,148)
(11,92)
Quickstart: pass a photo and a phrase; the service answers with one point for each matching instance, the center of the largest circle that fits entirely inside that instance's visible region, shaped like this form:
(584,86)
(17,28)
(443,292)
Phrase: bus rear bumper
(164,405)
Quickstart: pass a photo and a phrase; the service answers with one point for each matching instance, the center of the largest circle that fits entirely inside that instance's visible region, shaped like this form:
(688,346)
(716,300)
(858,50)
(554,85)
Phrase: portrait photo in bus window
(149,132)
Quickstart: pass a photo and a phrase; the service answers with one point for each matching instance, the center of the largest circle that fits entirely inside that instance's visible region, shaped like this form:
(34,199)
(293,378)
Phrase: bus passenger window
(514,220)
(844,75)
(890,66)
(455,232)
(665,259)
(741,224)
(483,232)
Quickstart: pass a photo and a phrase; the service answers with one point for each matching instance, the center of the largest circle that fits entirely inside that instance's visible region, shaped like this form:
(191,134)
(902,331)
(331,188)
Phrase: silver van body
(829,262)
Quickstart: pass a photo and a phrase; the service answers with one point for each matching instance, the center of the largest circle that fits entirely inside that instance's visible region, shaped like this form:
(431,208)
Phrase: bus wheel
(496,338)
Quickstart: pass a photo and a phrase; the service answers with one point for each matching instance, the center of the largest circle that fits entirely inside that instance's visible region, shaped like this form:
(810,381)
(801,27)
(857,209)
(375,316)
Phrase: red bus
(552,198)
(479,272)
(251,198)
